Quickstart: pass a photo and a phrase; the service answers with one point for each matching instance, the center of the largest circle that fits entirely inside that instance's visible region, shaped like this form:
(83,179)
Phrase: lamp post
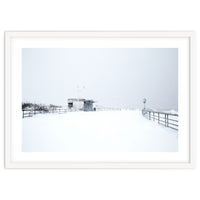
(144,101)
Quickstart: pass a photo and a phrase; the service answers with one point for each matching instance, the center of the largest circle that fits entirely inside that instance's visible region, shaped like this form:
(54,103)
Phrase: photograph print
(100,100)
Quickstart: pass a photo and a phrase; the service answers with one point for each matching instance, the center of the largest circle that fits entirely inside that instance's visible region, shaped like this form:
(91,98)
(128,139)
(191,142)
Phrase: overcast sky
(113,77)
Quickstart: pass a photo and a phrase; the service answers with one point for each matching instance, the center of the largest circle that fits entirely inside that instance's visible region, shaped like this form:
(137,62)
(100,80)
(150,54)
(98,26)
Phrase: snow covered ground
(103,131)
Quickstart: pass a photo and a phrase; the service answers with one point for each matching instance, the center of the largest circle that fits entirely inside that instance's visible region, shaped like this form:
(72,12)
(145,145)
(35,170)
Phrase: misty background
(113,77)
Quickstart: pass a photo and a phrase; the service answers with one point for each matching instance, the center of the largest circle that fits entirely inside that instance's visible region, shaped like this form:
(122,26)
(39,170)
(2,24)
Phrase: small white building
(75,104)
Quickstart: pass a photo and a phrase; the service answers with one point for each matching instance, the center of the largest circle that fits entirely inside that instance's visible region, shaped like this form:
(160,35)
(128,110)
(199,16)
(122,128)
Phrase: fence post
(167,120)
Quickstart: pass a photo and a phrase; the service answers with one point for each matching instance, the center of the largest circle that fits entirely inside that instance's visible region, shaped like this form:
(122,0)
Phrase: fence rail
(30,113)
(166,119)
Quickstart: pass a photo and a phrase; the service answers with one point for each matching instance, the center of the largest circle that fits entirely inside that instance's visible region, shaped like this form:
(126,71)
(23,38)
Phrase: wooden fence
(166,119)
(30,113)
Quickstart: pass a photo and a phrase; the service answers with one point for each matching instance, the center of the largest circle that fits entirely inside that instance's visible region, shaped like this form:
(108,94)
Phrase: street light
(144,101)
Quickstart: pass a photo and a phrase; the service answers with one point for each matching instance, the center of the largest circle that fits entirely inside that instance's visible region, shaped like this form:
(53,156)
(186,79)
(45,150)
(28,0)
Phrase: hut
(76,104)
(88,105)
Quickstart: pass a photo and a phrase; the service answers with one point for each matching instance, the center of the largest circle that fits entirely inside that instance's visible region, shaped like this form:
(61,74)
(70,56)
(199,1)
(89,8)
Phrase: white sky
(114,77)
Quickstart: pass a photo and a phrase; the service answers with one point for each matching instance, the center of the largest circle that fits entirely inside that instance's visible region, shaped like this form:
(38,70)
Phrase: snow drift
(103,131)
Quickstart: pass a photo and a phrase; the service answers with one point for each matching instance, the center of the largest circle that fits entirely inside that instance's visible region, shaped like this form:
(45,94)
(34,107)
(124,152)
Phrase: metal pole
(144,101)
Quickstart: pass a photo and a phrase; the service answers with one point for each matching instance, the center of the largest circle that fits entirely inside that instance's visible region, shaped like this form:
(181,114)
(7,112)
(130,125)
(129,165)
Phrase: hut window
(70,105)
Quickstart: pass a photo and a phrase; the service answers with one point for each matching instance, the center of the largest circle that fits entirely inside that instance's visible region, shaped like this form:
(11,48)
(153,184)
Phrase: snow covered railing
(27,113)
(30,113)
(167,119)
(58,110)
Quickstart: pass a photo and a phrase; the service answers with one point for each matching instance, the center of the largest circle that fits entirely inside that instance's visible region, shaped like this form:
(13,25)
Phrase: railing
(30,113)
(166,119)
(58,110)
(27,113)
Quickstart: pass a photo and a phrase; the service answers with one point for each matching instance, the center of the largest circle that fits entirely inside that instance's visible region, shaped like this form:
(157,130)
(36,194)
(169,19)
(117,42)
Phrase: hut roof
(89,101)
(80,99)
(76,99)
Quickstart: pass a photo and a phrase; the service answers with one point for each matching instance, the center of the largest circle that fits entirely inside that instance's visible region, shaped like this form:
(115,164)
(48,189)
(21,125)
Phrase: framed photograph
(99,99)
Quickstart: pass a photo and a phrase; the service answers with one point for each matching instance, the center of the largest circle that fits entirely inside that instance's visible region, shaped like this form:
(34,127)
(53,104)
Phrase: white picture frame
(15,40)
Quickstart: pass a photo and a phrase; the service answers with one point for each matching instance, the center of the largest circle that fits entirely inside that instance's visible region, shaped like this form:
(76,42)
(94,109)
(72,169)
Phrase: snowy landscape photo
(100,100)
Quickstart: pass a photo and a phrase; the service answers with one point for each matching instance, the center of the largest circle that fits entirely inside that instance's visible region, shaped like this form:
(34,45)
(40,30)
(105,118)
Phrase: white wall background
(97,15)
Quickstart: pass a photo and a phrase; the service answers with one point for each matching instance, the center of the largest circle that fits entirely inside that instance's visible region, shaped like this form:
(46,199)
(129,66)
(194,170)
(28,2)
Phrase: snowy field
(103,131)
